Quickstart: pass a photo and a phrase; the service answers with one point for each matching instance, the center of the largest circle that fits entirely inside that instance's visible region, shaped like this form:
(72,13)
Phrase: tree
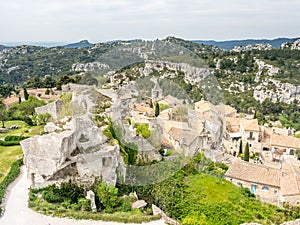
(241,147)
(87,79)
(3,114)
(34,82)
(26,95)
(41,119)
(49,82)
(157,111)
(247,153)
(6,90)
(64,80)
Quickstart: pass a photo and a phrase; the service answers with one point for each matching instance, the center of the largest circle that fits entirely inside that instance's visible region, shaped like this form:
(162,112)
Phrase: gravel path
(17,212)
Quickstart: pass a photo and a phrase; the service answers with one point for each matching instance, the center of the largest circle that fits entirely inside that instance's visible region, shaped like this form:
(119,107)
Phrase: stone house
(263,181)
(250,133)
(290,184)
(288,144)
(184,140)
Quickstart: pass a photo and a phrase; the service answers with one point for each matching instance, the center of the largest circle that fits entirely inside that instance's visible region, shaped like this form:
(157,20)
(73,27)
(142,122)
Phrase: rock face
(192,74)
(76,151)
(52,108)
(284,92)
(89,66)
(252,47)
(293,46)
(81,154)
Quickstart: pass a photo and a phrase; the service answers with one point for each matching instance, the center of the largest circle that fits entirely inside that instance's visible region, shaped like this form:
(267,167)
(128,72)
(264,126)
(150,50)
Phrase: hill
(80,44)
(228,45)
(2,47)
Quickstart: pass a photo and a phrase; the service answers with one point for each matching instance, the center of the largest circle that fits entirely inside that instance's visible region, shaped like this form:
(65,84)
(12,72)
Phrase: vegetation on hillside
(197,194)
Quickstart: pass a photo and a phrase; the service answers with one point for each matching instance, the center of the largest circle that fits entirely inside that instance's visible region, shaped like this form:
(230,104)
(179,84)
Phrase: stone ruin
(79,151)
(81,154)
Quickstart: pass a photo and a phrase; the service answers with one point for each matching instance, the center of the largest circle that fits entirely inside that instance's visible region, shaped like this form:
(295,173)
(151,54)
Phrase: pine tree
(247,153)
(241,147)
(157,110)
(26,95)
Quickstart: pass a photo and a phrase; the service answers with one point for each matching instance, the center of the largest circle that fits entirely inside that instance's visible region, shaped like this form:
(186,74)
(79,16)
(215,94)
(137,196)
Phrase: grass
(24,129)
(7,156)
(213,200)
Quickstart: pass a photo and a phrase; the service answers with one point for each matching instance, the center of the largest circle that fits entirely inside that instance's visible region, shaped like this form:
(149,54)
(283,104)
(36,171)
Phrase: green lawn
(7,156)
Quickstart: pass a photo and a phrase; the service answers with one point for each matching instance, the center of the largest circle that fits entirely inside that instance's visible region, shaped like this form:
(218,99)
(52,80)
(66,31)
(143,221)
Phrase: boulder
(91,196)
(50,127)
(139,204)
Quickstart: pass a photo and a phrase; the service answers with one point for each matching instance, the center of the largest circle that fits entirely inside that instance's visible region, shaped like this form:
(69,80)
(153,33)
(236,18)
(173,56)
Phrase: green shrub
(84,204)
(14,138)
(9,143)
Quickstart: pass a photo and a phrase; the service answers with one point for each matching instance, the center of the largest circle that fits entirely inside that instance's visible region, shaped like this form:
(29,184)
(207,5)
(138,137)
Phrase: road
(17,212)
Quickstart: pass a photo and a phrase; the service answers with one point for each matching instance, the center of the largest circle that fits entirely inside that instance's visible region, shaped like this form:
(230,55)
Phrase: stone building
(262,181)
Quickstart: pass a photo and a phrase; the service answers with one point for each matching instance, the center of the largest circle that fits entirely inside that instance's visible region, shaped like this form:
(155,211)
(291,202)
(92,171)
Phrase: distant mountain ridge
(228,45)
(2,47)
(80,44)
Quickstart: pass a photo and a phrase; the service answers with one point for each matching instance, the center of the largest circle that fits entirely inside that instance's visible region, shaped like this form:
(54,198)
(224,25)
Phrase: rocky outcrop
(73,150)
(252,47)
(81,155)
(277,91)
(293,46)
(192,74)
(89,66)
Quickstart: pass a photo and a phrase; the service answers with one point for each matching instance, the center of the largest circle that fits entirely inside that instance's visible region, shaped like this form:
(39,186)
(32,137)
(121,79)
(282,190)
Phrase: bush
(14,138)
(84,204)
(9,143)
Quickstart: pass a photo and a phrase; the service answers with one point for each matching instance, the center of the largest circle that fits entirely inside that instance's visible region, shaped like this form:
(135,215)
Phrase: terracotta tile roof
(203,106)
(226,109)
(143,109)
(285,141)
(255,173)
(11,100)
(233,124)
(290,181)
(180,135)
(250,125)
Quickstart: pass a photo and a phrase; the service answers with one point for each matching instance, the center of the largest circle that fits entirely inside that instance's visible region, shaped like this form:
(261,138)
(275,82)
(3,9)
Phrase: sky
(104,20)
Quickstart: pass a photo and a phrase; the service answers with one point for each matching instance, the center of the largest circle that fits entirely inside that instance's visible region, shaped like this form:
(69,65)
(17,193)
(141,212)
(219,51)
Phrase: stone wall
(53,108)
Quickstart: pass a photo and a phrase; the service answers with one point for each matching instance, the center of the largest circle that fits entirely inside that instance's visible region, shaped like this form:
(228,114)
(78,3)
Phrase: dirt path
(17,212)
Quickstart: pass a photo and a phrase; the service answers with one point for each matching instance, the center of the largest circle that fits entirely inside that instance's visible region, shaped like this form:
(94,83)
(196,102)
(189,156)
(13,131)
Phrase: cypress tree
(26,95)
(157,110)
(247,153)
(241,147)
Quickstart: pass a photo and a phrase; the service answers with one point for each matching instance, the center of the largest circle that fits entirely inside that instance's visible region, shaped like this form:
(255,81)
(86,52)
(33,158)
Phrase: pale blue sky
(102,20)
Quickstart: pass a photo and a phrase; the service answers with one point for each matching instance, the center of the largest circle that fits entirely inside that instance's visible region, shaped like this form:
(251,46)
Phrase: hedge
(10,177)
(14,138)
(9,143)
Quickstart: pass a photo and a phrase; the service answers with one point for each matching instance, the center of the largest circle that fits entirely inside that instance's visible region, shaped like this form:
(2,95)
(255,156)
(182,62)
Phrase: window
(239,184)
(265,188)
(275,191)
(253,188)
